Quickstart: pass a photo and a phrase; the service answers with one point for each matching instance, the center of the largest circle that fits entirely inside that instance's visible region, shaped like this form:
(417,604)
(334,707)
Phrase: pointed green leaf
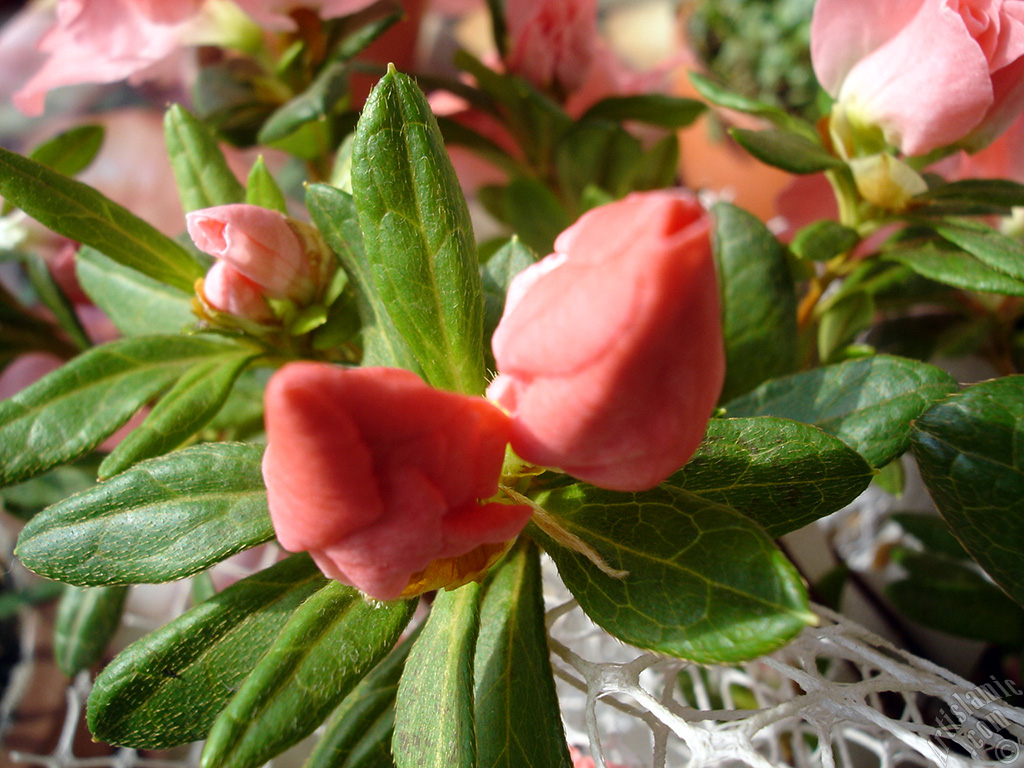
(167,688)
(932,531)
(330,643)
(792,152)
(87,617)
(334,214)
(312,105)
(703,582)
(517,714)
(80,213)
(188,407)
(651,108)
(758,301)
(358,734)
(417,234)
(203,176)
(261,189)
(163,519)
(968,449)
(949,265)
(781,473)
(136,304)
(869,403)
(69,412)
(434,726)
(70,151)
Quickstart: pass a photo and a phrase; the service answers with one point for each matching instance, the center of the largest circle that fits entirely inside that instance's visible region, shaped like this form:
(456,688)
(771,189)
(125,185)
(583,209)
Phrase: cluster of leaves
(761,48)
(258,666)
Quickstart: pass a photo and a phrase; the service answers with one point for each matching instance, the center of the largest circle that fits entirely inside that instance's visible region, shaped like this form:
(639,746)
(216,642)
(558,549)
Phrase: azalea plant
(322,357)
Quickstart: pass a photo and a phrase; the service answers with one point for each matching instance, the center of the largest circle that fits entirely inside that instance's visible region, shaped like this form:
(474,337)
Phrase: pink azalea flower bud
(378,476)
(968,88)
(610,353)
(225,289)
(552,42)
(263,245)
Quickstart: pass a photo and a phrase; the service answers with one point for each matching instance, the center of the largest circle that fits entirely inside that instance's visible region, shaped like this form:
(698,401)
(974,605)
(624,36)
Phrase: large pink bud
(927,73)
(610,353)
(380,477)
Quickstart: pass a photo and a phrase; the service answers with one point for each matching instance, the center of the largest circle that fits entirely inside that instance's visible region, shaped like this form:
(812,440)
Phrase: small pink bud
(378,475)
(261,244)
(225,289)
(610,353)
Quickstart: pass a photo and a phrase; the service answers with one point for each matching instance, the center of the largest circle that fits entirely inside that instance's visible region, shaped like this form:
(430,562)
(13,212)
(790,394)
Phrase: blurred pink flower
(377,474)
(104,41)
(869,55)
(610,354)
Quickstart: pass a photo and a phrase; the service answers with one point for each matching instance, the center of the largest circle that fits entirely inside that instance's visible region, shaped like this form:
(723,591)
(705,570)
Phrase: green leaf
(203,175)
(651,108)
(167,688)
(792,152)
(417,234)
(935,583)
(822,240)
(188,407)
(262,190)
(988,192)
(70,151)
(328,645)
(533,212)
(86,620)
(759,303)
(949,265)
(703,582)
(69,412)
(869,403)
(334,214)
(723,97)
(314,104)
(29,498)
(517,714)
(136,304)
(932,532)
(434,725)
(80,213)
(842,320)
(509,260)
(358,734)
(163,519)
(657,169)
(53,298)
(990,247)
(968,449)
(780,473)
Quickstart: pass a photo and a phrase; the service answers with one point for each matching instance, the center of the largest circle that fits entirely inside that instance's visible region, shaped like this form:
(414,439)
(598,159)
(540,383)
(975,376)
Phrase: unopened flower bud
(384,480)
(610,353)
(284,257)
